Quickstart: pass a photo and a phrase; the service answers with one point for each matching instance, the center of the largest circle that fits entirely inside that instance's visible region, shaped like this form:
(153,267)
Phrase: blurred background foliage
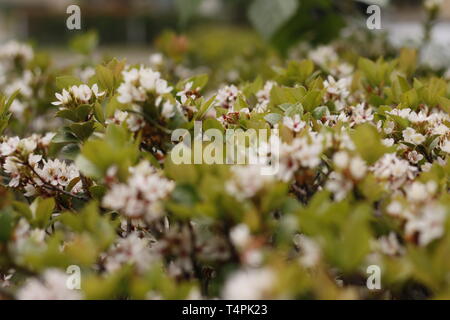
(222,34)
(281,22)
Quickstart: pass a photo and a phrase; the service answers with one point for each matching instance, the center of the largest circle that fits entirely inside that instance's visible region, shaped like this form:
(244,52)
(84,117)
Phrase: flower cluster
(27,170)
(139,84)
(141,196)
(14,75)
(78,95)
(51,287)
(354,171)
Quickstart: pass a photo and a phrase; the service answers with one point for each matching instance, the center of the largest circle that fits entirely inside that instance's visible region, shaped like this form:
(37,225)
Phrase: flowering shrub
(363,179)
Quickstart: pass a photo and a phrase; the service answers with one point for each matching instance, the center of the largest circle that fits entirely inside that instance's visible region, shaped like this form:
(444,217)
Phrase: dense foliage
(88,180)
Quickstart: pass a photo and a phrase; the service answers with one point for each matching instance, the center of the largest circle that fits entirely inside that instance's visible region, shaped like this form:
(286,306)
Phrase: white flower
(240,235)
(445,146)
(358,168)
(411,136)
(395,208)
(86,73)
(12,167)
(414,156)
(64,98)
(118,118)
(419,192)
(82,93)
(138,83)
(47,139)
(130,250)
(263,97)
(339,185)
(246,181)
(389,142)
(34,159)
(249,284)
(135,122)
(162,87)
(30,190)
(309,250)
(148,78)
(337,88)
(17,108)
(227,96)
(440,129)
(393,170)
(187,93)
(308,152)
(131,75)
(389,127)
(156,59)
(23,84)
(52,287)
(140,196)
(59,174)
(168,109)
(27,145)
(343,70)
(323,55)
(303,152)
(360,114)
(390,245)
(8,147)
(429,225)
(15,49)
(341,159)
(418,117)
(403,113)
(96,92)
(295,124)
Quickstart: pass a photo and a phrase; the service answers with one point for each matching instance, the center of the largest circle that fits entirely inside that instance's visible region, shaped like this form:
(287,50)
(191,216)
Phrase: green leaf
(84,43)
(6,225)
(281,95)
(105,78)
(198,82)
(297,72)
(5,115)
(204,108)
(410,98)
(186,9)
(70,151)
(273,118)
(64,136)
(268,16)
(99,113)
(312,99)
(319,112)
(98,191)
(23,209)
(65,82)
(408,61)
(368,143)
(5,108)
(117,149)
(42,210)
(83,130)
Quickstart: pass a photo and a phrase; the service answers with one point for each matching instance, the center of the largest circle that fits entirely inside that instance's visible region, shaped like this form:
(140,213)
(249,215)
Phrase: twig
(54,188)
